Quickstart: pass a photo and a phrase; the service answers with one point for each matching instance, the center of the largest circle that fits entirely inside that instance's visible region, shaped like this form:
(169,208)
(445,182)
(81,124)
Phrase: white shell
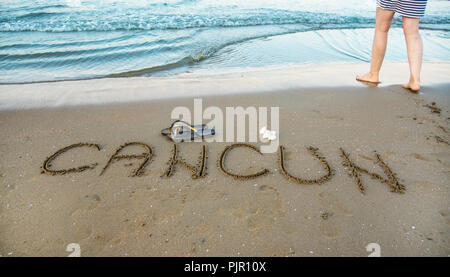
(263,130)
(268,134)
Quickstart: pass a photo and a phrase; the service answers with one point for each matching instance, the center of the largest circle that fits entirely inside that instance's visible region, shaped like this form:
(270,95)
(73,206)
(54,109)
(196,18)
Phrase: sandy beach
(117,215)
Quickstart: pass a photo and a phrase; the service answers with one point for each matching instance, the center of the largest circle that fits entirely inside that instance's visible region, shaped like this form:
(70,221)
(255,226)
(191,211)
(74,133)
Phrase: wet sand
(117,215)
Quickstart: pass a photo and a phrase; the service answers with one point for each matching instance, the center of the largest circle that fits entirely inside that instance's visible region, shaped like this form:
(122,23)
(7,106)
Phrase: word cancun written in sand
(199,170)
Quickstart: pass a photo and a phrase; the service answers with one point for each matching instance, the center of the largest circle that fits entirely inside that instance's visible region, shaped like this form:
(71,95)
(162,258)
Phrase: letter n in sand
(198,171)
(354,170)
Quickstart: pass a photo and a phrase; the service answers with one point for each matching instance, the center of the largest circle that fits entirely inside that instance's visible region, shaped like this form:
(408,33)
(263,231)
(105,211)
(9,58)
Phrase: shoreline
(317,47)
(251,80)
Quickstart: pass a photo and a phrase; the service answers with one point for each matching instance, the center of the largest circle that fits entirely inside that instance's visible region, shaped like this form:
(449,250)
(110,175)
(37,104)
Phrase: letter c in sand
(221,162)
(47,163)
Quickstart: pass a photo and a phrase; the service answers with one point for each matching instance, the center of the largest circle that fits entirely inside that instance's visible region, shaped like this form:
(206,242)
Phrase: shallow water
(58,40)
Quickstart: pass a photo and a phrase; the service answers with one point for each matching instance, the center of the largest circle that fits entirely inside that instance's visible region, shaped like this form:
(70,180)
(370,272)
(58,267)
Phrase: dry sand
(118,215)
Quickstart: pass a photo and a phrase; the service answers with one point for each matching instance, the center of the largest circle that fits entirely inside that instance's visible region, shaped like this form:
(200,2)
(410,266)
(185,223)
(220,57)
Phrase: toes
(367,78)
(362,78)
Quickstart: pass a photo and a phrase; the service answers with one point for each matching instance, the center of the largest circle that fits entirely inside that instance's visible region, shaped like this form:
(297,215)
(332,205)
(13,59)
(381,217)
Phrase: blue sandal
(180,131)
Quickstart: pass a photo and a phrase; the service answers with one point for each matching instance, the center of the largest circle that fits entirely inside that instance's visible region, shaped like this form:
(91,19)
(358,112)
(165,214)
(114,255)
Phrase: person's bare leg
(383,23)
(415,50)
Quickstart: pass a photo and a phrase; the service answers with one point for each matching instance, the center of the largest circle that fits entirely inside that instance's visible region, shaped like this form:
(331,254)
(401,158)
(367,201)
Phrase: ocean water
(81,39)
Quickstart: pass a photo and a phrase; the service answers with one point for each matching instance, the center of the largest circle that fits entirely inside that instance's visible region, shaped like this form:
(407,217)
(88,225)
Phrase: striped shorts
(407,8)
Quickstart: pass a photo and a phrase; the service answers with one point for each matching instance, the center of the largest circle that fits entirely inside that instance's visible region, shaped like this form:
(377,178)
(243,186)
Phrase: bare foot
(412,86)
(368,78)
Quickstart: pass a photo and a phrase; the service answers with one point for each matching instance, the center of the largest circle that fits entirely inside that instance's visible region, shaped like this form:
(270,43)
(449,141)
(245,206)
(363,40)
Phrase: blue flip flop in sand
(180,131)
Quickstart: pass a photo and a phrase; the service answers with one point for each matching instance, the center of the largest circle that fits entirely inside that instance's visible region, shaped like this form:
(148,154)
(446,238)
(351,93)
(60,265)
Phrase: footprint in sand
(329,229)
(95,243)
(328,225)
(81,229)
(330,218)
(118,239)
(80,216)
(331,203)
(262,209)
(87,203)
